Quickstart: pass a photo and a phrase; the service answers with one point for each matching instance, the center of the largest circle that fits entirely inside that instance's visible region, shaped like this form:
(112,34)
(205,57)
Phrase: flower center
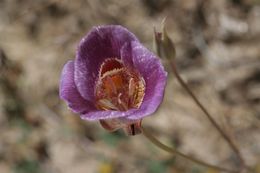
(117,87)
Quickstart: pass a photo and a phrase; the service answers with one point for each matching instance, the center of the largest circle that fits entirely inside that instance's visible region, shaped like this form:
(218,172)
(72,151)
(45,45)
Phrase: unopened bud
(158,42)
(164,46)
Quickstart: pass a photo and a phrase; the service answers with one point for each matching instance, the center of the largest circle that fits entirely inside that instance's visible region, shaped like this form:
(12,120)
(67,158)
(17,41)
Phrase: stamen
(106,104)
(117,87)
(122,104)
(131,87)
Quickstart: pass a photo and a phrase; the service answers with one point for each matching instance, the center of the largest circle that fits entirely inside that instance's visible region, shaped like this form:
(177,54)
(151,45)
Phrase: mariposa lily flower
(113,79)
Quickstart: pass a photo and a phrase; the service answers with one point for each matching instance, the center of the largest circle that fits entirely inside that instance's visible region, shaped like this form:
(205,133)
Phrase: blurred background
(218,54)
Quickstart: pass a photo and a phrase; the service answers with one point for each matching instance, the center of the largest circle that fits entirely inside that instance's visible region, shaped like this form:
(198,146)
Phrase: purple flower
(114,79)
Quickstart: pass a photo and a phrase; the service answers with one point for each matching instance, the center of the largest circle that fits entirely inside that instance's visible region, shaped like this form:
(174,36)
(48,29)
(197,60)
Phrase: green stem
(214,123)
(156,142)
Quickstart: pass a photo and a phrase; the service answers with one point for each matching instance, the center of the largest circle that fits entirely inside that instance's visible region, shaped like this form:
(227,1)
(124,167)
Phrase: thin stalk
(214,123)
(156,142)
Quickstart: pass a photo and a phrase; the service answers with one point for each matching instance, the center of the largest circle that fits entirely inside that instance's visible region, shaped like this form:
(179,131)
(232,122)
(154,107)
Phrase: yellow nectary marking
(118,88)
(109,65)
(139,93)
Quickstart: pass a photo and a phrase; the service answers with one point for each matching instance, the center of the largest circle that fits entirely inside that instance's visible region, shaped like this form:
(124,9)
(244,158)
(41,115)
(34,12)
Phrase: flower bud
(164,46)
(158,42)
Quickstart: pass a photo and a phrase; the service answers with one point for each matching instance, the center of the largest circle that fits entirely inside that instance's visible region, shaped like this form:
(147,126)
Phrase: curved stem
(156,142)
(214,123)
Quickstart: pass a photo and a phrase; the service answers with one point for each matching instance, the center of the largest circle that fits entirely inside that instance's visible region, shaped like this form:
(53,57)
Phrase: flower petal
(106,114)
(101,43)
(151,69)
(68,91)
